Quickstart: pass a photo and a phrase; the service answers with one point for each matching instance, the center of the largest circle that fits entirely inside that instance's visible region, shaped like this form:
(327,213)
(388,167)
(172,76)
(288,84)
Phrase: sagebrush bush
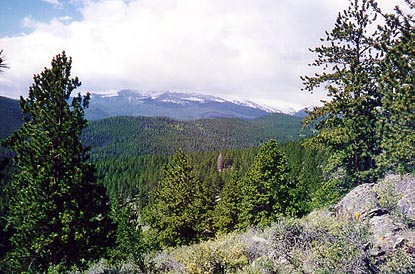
(317,243)
(224,254)
(399,262)
(288,246)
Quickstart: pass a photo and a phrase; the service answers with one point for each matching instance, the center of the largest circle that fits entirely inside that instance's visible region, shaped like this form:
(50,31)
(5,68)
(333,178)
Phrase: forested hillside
(133,176)
(130,152)
(160,135)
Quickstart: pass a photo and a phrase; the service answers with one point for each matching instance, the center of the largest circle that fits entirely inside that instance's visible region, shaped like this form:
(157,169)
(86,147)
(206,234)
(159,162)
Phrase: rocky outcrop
(388,207)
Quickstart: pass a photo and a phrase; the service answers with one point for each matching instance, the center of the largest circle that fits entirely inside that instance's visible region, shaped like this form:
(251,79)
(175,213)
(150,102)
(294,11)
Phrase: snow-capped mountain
(280,109)
(183,106)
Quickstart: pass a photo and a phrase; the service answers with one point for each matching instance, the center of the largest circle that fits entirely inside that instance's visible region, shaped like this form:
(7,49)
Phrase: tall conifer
(347,122)
(58,212)
(179,206)
(397,87)
(368,72)
(265,188)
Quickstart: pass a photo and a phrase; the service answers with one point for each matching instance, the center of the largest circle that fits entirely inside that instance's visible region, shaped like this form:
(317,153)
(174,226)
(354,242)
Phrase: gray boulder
(388,208)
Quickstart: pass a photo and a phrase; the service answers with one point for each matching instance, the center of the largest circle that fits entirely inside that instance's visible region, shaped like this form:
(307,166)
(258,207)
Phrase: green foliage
(227,209)
(330,192)
(179,206)
(57,212)
(129,244)
(396,85)
(130,177)
(321,244)
(367,62)
(387,198)
(134,177)
(5,177)
(344,250)
(399,262)
(265,188)
(225,254)
(346,123)
(306,170)
(137,136)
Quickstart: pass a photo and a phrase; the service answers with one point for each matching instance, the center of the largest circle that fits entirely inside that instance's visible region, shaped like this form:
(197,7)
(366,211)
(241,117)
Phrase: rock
(388,208)
(405,188)
(384,232)
(357,203)
(365,201)
(375,212)
(399,242)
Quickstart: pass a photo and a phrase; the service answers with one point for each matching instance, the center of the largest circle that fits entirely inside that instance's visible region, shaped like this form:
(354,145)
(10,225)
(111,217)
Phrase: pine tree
(397,86)
(129,245)
(347,122)
(179,206)
(58,212)
(228,207)
(4,162)
(265,188)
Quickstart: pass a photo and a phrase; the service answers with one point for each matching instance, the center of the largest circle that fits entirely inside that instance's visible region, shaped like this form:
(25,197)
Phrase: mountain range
(167,121)
(180,106)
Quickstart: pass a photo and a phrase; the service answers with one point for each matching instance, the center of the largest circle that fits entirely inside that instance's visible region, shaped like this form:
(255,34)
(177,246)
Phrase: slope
(180,106)
(371,230)
(10,116)
(160,135)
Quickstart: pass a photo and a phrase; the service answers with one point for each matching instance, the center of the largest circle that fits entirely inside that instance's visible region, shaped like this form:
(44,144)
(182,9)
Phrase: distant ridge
(302,113)
(148,135)
(180,106)
(10,116)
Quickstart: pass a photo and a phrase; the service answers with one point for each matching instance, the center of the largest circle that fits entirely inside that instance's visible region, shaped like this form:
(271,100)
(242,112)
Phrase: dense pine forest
(159,135)
(224,195)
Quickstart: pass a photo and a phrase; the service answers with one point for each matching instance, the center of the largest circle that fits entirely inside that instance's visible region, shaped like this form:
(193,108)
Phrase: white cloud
(231,48)
(55,3)
(65,18)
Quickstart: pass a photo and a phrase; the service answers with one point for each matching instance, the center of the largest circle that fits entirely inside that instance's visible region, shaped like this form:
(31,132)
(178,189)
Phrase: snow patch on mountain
(185,99)
(109,95)
(266,108)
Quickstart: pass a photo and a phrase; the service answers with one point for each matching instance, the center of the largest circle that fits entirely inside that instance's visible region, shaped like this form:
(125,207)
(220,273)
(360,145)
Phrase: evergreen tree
(129,245)
(4,181)
(58,212)
(265,188)
(347,123)
(180,206)
(227,209)
(396,84)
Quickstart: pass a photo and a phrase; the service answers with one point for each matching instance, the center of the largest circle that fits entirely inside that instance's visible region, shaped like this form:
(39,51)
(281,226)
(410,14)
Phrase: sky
(235,49)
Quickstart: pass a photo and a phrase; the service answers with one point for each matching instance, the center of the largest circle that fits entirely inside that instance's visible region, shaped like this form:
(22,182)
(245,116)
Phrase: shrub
(227,254)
